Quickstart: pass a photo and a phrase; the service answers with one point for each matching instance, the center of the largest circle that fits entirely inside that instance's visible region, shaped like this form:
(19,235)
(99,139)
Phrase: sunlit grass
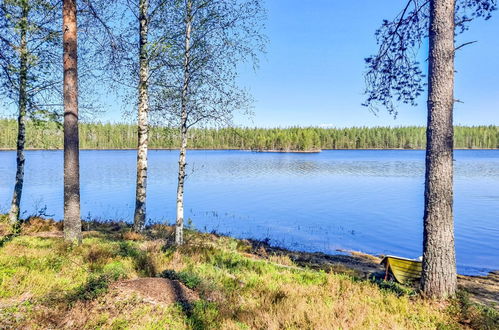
(46,283)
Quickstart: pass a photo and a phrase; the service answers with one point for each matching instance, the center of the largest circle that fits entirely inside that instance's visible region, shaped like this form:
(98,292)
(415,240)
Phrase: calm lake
(364,200)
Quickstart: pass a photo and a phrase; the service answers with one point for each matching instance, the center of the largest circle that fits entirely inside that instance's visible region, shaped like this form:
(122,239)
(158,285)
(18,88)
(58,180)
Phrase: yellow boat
(403,270)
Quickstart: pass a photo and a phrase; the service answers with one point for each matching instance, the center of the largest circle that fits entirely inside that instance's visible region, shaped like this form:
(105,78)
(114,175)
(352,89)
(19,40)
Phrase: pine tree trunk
(439,260)
(72,220)
(143,128)
(179,227)
(21,119)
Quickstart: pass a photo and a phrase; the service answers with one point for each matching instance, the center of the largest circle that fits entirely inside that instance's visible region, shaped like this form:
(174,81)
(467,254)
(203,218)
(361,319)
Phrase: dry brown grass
(132,236)
(49,284)
(37,224)
(281,260)
(160,231)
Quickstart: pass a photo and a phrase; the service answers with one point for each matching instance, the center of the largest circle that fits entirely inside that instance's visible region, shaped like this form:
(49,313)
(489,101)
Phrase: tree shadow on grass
(143,262)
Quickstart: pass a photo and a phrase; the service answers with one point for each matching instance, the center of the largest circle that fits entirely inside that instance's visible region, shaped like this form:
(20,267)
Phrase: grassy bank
(117,279)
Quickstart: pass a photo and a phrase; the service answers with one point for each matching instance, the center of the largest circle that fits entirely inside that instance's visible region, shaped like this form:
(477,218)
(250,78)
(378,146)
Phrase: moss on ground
(46,283)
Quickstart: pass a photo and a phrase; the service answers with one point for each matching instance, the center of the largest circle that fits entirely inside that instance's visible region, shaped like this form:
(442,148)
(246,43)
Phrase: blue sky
(312,74)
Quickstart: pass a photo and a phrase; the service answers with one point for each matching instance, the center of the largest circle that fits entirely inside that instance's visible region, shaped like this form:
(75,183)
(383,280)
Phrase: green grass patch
(187,277)
(46,283)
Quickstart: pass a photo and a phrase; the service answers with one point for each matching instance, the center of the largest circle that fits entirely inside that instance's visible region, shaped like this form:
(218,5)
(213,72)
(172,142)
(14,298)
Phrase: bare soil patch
(159,290)
(483,289)
(122,300)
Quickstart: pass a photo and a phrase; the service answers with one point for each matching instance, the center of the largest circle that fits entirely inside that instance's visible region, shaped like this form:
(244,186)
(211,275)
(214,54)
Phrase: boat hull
(403,270)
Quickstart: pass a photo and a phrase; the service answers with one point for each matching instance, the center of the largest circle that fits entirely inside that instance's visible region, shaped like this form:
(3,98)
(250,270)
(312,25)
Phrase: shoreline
(484,289)
(338,253)
(118,277)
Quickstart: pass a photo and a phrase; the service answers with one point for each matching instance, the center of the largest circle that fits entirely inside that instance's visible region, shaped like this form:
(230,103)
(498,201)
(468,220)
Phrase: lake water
(369,200)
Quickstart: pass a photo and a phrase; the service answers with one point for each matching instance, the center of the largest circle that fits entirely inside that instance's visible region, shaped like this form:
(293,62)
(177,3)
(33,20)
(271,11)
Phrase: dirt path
(157,289)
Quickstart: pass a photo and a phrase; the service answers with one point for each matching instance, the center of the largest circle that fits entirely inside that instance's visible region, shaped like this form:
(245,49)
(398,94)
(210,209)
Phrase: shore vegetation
(120,279)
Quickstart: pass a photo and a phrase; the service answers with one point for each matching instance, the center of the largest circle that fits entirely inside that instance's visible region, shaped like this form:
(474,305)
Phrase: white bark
(143,128)
(21,120)
(179,226)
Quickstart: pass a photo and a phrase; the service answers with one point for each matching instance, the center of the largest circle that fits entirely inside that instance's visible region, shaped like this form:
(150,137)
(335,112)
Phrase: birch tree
(395,75)
(146,20)
(127,51)
(28,39)
(143,127)
(205,41)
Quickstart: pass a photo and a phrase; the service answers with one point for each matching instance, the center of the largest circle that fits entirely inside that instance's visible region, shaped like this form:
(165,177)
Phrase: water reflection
(363,200)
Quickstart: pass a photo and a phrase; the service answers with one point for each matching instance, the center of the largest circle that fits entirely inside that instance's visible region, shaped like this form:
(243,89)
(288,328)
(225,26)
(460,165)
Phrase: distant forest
(124,136)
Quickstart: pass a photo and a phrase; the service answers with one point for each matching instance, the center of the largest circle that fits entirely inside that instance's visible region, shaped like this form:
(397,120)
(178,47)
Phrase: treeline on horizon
(124,136)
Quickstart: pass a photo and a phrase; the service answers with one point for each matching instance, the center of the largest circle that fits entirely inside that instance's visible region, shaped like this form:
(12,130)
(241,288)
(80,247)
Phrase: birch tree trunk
(179,227)
(143,128)
(439,261)
(72,220)
(21,118)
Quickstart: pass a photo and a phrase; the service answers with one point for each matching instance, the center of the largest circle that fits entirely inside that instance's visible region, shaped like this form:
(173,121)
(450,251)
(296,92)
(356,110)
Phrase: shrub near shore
(46,283)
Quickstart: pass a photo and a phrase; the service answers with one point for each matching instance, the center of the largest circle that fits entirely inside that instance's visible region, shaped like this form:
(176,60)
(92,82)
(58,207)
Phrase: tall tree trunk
(439,259)
(143,128)
(179,227)
(72,220)
(21,118)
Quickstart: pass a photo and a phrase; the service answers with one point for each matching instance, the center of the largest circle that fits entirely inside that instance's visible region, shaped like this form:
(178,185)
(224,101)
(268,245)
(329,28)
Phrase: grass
(45,283)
